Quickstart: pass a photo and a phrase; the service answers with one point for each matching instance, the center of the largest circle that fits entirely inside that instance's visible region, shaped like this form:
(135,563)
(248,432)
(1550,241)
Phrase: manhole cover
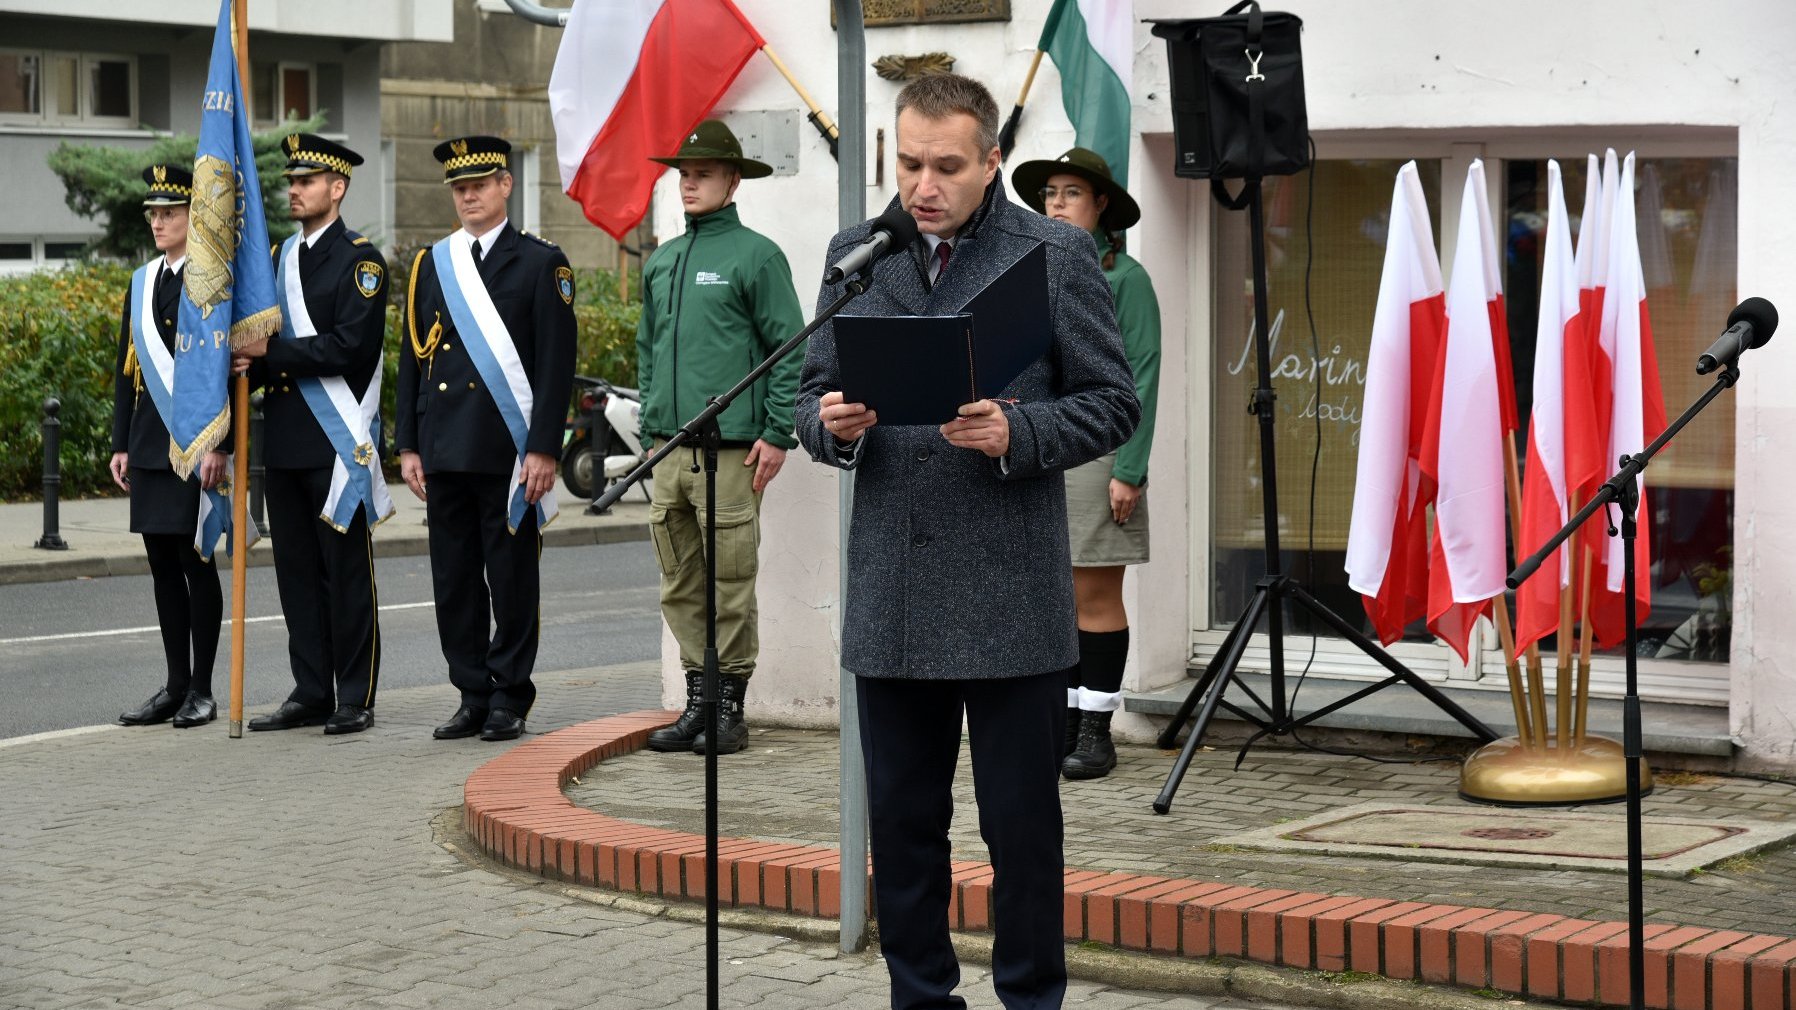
(1508,834)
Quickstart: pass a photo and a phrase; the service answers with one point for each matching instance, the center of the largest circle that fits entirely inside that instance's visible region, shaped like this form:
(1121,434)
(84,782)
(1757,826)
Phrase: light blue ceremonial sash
(157,366)
(351,425)
(489,345)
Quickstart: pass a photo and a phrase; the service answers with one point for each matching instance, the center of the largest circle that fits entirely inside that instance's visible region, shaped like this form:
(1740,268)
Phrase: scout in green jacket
(715,301)
(1106,503)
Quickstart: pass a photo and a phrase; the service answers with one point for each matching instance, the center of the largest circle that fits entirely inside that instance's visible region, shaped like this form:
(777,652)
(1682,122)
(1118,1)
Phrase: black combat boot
(732,732)
(1095,755)
(679,736)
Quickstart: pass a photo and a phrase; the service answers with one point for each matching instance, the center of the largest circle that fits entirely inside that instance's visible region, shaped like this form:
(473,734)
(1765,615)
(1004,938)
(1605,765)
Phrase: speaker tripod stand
(1275,716)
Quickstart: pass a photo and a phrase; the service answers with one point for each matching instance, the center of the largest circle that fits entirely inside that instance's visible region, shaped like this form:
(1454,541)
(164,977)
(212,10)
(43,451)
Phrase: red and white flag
(1637,404)
(1499,319)
(631,80)
(1387,547)
(1462,447)
(1546,492)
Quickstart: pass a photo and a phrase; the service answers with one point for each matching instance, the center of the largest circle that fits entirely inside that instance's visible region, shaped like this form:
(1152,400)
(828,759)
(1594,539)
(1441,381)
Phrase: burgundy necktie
(942,252)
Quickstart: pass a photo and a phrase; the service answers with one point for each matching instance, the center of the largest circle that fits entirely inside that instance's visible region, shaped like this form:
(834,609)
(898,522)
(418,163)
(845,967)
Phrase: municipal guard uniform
(165,508)
(484,377)
(324,489)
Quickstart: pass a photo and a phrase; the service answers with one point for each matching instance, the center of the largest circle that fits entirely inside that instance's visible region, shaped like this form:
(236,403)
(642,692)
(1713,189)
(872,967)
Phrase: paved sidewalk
(156,868)
(98,532)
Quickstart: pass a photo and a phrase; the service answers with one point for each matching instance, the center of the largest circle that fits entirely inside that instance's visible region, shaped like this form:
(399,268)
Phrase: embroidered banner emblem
(367,278)
(564,283)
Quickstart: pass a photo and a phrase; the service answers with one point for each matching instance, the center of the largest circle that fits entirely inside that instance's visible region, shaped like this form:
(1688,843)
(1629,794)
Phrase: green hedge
(59,337)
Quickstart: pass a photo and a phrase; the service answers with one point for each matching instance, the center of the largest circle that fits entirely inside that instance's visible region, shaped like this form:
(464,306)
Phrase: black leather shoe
(502,724)
(291,715)
(466,722)
(349,719)
(197,710)
(159,708)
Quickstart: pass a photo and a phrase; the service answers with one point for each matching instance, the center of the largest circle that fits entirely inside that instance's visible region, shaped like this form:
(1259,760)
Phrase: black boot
(732,732)
(1070,742)
(678,737)
(1095,755)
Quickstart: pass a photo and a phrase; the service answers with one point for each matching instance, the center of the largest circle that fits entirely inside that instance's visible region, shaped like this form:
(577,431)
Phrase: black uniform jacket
(136,426)
(345,283)
(446,413)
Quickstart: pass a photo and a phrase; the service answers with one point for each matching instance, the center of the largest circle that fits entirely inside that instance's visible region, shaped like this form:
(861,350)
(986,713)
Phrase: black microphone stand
(703,430)
(1624,490)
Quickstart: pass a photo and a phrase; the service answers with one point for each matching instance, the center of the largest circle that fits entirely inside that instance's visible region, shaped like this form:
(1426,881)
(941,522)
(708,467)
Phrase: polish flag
(1546,493)
(631,80)
(1499,319)
(1467,561)
(1387,552)
(1637,405)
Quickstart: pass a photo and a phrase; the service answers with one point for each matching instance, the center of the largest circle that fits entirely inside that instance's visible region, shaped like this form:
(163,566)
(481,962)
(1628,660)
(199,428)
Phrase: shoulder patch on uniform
(368,278)
(539,239)
(359,240)
(564,283)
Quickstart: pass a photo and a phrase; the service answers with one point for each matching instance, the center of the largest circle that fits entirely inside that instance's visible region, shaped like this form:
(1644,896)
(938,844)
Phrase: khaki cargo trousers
(677,527)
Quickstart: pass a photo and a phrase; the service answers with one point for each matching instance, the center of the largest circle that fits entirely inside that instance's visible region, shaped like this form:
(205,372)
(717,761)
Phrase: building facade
(1696,98)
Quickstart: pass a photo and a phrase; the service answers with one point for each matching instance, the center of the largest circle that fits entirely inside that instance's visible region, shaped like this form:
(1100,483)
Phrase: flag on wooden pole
(1091,43)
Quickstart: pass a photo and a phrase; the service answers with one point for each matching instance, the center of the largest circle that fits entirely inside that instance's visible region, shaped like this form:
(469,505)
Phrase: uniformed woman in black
(165,508)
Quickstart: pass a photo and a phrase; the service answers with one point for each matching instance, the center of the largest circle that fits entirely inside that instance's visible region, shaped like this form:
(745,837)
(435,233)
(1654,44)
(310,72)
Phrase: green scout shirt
(1138,316)
(715,302)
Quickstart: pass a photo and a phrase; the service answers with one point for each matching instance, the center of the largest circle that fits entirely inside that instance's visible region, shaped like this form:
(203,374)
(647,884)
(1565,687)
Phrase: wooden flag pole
(1586,632)
(240,447)
(818,117)
(1512,481)
(1007,135)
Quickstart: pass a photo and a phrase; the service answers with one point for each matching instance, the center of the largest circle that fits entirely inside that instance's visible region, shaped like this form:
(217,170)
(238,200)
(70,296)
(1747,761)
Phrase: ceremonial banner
(1387,550)
(1462,449)
(1546,493)
(228,296)
(1091,43)
(631,80)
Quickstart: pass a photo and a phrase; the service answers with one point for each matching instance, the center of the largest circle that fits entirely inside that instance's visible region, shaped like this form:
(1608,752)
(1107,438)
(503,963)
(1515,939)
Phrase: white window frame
(270,118)
(1677,681)
(88,116)
(29,118)
(84,117)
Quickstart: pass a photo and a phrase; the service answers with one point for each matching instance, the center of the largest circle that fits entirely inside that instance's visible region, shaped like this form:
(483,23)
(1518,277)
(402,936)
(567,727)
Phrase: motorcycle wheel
(577,465)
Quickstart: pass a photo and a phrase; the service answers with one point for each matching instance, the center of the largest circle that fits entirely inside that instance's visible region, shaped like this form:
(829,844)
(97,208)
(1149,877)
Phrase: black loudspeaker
(1237,94)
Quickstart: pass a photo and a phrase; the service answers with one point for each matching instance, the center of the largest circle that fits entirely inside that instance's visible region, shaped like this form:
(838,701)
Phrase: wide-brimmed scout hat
(1120,213)
(170,186)
(309,154)
(472,157)
(713,141)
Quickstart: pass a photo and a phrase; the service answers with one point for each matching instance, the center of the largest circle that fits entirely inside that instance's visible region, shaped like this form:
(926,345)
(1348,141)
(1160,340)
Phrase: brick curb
(516,812)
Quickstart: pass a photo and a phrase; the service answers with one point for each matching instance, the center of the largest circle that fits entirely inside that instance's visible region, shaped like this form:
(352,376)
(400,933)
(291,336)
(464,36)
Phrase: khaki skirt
(1097,540)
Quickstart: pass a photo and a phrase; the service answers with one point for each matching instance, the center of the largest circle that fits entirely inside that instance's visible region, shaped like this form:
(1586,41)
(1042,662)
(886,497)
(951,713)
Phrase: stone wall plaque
(886,13)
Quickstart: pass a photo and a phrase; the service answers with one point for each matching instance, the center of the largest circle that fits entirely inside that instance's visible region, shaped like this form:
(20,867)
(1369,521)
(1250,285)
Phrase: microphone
(1750,324)
(892,230)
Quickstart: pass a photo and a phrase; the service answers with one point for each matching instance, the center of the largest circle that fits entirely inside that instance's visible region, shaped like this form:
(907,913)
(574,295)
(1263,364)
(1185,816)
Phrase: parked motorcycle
(603,437)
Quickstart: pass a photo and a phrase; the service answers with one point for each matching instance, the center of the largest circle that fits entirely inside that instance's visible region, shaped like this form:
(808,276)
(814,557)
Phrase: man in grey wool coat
(960,598)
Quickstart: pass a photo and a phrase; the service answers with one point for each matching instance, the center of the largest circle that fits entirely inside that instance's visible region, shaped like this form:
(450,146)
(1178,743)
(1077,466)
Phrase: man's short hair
(938,96)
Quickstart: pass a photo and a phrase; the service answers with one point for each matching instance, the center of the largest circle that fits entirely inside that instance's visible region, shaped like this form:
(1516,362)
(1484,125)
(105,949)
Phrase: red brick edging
(516,811)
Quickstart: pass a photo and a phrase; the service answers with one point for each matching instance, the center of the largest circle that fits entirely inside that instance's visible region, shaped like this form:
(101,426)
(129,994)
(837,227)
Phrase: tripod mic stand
(1275,587)
(703,431)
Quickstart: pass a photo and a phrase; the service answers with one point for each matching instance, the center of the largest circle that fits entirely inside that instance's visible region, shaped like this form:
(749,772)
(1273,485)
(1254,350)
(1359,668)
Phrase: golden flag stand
(239,457)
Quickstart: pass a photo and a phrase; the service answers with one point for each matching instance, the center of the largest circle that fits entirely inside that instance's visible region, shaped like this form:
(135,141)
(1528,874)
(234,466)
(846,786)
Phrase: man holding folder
(960,598)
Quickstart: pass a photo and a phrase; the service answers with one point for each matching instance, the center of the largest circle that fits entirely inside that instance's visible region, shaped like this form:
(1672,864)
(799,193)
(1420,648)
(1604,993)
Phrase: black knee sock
(1102,655)
(173,613)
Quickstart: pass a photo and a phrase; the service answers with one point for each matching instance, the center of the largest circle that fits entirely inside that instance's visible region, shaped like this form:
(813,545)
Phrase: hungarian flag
(1546,493)
(1387,546)
(1637,405)
(1467,562)
(1091,43)
(631,80)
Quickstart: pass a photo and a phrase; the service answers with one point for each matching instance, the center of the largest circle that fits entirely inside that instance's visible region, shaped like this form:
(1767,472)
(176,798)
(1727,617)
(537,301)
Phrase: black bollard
(258,469)
(52,538)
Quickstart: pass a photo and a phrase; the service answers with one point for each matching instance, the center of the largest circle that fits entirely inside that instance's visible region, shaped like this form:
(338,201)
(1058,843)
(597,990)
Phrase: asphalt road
(78,653)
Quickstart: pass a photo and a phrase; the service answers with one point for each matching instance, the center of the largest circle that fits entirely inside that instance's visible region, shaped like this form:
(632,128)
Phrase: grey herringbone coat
(958,566)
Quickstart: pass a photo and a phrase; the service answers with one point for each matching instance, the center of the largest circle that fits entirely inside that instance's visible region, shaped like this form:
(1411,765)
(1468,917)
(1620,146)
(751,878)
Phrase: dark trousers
(326,581)
(189,607)
(485,577)
(910,732)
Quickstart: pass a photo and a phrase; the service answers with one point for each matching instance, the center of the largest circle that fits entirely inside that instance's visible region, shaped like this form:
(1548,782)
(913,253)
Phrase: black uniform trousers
(910,735)
(326,581)
(487,586)
(189,609)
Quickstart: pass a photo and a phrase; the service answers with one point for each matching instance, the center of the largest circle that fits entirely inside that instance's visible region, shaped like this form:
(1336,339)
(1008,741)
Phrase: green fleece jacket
(715,302)
(1138,316)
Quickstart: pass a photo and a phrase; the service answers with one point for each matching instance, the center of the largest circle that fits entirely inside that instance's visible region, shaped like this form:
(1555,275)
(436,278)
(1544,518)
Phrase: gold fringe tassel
(209,438)
(250,329)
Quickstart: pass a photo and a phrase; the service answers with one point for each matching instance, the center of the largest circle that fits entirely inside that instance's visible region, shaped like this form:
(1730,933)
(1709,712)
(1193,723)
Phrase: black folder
(922,369)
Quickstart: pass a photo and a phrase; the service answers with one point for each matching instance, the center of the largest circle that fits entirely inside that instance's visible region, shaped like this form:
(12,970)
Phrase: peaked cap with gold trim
(472,157)
(309,154)
(170,186)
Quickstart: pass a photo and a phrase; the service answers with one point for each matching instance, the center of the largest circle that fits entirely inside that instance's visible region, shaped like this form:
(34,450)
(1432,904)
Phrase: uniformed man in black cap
(324,488)
(165,508)
(484,378)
